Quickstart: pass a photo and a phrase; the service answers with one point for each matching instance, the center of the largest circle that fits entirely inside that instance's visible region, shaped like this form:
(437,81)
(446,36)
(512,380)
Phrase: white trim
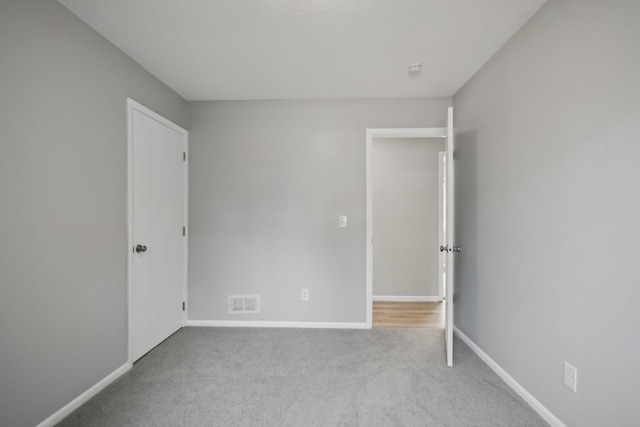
(442,258)
(274,324)
(408,133)
(369,232)
(131,106)
(394,298)
(370,135)
(185,260)
(546,414)
(84,397)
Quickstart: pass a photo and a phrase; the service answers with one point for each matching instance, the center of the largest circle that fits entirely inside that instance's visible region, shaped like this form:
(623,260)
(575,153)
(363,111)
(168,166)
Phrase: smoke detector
(415,68)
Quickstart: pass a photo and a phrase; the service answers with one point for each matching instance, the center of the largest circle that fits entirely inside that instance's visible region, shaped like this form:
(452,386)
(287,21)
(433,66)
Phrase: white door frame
(131,107)
(442,221)
(384,133)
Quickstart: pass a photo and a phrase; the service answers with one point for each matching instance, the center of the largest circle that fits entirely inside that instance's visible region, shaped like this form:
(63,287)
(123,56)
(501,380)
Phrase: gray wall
(405,216)
(268,182)
(548,173)
(63,193)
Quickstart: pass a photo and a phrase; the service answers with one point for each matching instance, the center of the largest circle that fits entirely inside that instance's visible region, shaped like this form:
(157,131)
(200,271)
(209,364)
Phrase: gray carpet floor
(306,377)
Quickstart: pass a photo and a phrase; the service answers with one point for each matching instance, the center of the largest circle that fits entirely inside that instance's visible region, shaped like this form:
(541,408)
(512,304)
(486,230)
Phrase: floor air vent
(244,304)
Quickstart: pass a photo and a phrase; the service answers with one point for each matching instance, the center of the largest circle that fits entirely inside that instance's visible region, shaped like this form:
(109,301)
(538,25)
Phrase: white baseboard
(546,414)
(272,324)
(84,397)
(393,298)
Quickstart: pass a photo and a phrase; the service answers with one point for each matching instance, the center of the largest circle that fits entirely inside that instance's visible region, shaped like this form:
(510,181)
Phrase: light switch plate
(570,376)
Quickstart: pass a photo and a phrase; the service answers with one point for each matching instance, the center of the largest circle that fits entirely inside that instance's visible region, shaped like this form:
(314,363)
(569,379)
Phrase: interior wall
(268,182)
(405,216)
(63,157)
(548,171)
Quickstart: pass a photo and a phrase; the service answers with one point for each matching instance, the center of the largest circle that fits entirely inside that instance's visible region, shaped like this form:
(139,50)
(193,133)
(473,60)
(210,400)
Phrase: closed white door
(157,228)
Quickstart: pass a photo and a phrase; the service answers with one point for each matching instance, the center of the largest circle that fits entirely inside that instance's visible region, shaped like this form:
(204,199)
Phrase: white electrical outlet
(570,376)
(304,295)
(342,221)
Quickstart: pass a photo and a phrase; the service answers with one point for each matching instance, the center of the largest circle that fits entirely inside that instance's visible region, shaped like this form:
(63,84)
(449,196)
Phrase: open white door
(157,228)
(442,223)
(450,248)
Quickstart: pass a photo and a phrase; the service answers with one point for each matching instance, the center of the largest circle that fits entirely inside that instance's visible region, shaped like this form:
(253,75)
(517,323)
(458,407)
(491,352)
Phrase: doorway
(378,134)
(407,207)
(157,250)
(449,239)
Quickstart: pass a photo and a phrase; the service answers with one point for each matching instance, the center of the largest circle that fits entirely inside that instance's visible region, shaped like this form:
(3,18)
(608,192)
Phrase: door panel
(157,219)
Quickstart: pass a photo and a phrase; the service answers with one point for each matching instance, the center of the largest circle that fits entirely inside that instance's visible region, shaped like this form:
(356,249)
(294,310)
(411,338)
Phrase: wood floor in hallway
(408,315)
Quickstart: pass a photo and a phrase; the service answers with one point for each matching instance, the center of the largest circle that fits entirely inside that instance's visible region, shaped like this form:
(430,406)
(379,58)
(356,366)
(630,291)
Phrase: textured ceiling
(292,49)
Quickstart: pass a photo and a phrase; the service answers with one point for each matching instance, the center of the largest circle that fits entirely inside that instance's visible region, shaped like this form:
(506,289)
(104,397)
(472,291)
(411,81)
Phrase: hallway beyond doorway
(429,315)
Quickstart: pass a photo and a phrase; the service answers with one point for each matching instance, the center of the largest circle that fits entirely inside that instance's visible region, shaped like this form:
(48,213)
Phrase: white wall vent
(244,304)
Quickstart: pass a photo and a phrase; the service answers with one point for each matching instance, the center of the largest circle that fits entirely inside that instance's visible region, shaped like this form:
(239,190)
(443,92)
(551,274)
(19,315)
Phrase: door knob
(444,248)
(141,248)
(456,249)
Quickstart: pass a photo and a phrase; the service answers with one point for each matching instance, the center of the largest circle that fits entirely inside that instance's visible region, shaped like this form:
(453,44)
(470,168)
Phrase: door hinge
(184,231)
(184,305)
(184,156)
